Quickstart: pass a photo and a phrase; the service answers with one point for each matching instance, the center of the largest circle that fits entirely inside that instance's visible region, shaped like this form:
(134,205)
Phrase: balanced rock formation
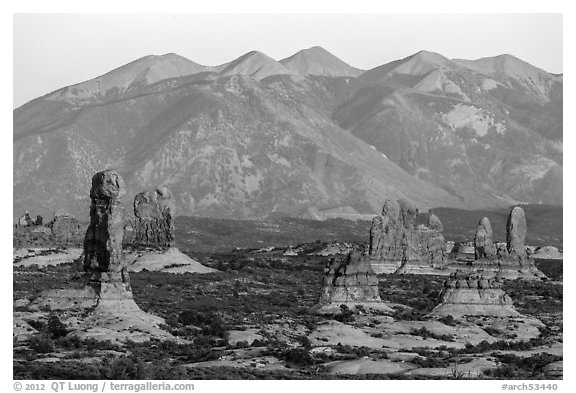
(107,295)
(397,245)
(473,294)
(352,282)
(483,241)
(154,210)
(152,236)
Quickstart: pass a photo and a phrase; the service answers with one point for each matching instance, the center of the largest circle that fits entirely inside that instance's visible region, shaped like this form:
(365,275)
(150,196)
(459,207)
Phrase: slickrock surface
(547,252)
(465,294)
(42,257)
(398,246)
(169,261)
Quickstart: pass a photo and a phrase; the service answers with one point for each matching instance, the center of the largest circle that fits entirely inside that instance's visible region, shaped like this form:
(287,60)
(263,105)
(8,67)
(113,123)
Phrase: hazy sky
(56,50)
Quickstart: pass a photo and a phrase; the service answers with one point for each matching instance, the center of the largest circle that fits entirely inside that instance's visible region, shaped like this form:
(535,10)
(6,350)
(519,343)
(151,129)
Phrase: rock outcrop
(547,252)
(154,210)
(66,229)
(397,245)
(474,294)
(25,220)
(509,260)
(350,281)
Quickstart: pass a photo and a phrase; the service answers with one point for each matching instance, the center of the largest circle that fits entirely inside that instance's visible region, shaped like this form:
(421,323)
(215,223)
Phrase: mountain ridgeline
(307,136)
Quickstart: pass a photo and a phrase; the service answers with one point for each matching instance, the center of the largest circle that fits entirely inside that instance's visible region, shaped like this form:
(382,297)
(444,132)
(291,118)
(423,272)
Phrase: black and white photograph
(287,196)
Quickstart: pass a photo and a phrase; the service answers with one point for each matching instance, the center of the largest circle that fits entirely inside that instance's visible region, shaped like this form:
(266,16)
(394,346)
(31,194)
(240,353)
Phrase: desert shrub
(93,344)
(514,367)
(197,318)
(259,343)
(501,345)
(430,362)
(425,333)
(346,315)
(42,343)
(55,327)
(58,370)
(305,342)
(407,315)
(124,368)
(492,331)
(242,344)
(69,342)
(216,328)
(448,320)
(358,352)
(296,356)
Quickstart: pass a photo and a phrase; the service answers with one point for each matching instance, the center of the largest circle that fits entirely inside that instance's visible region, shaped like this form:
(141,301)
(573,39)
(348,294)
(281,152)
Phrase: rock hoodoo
(154,210)
(516,233)
(350,281)
(107,296)
(513,259)
(397,245)
(473,294)
(483,241)
(103,258)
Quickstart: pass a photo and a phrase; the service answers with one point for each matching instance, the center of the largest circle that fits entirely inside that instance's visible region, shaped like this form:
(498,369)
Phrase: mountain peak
(143,71)
(418,64)
(318,61)
(427,57)
(254,64)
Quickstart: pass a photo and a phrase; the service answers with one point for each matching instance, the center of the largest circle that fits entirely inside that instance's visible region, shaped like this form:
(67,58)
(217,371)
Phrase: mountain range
(307,136)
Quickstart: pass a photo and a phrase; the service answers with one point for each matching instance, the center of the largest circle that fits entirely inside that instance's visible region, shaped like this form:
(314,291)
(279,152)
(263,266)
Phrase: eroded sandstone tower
(483,241)
(103,258)
(154,210)
(397,245)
